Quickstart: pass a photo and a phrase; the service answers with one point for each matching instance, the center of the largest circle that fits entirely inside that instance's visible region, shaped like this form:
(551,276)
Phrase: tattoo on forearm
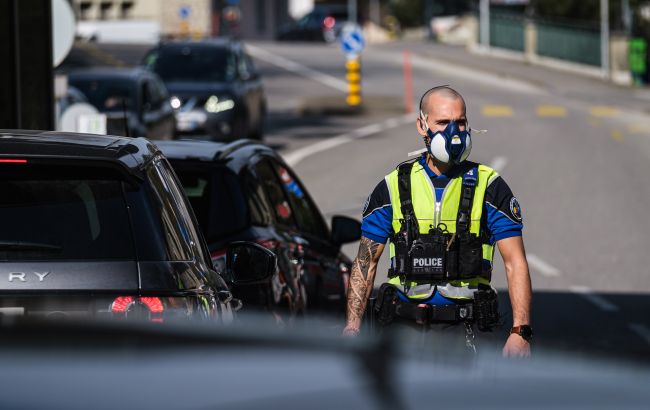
(362,278)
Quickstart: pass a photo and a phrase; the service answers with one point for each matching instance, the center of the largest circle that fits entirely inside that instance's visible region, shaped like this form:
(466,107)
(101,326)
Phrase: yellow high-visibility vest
(431,213)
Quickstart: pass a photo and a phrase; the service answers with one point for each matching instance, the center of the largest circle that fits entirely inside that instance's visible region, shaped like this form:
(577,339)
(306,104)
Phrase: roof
(130,152)
(235,153)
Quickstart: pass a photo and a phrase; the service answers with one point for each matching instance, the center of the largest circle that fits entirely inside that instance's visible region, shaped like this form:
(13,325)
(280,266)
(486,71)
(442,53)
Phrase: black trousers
(445,338)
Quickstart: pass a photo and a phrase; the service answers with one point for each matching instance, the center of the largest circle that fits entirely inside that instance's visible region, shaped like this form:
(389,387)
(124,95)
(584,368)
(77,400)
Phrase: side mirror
(345,230)
(249,263)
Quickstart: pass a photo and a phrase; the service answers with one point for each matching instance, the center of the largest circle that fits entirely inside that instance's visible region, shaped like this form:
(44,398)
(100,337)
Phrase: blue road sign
(184,12)
(352,41)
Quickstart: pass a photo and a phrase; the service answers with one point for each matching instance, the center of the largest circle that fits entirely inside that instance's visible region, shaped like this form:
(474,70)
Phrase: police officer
(443,216)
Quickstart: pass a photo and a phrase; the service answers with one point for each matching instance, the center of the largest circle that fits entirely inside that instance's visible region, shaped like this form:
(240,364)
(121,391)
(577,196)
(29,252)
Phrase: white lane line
(499,163)
(294,157)
(298,68)
(640,330)
(597,300)
(542,267)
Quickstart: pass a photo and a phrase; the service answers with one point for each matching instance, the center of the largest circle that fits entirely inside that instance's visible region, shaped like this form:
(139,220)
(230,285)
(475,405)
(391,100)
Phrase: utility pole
(375,13)
(604,37)
(484,10)
(352,11)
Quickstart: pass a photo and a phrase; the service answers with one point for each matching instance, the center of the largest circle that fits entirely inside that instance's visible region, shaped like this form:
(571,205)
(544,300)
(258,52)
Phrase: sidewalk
(564,84)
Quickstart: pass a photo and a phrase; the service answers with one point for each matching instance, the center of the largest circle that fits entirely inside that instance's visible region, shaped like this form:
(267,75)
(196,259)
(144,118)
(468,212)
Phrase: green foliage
(410,13)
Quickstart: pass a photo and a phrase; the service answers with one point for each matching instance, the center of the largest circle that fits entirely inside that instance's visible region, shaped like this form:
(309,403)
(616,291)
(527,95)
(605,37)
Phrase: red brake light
(329,22)
(153,303)
(122,304)
(12,161)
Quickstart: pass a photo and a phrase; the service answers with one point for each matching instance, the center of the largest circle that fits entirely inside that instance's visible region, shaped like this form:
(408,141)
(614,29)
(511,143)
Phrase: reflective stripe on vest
(431,213)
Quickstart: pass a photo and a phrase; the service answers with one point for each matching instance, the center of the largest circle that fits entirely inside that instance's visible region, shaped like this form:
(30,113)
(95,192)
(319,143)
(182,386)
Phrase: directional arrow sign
(352,41)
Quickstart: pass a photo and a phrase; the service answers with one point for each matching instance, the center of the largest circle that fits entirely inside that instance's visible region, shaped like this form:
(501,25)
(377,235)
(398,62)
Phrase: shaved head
(442,91)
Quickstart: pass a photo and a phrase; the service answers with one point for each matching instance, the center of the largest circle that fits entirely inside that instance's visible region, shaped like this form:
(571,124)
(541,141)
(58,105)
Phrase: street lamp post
(352,11)
(485,22)
(604,37)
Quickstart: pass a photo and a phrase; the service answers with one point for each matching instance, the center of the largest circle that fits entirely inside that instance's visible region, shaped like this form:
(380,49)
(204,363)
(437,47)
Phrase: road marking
(595,122)
(496,111)
(640,330)
(597,300)
(294,157)
(555,111)
(616,135)
(499,163)
(638,129)
(542,267)
(298,68)
(603,111)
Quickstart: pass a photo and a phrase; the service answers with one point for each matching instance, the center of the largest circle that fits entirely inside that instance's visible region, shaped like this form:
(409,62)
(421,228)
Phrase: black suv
(97,226)
(215,88)
(245,191)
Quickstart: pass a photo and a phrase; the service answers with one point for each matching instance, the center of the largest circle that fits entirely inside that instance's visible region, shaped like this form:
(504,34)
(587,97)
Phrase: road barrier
(353,76)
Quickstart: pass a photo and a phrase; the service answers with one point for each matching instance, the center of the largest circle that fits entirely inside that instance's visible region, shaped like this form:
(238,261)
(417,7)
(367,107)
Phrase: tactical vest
(430,214)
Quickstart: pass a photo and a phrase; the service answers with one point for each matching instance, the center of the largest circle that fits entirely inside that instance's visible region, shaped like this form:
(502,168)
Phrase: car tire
(258,133)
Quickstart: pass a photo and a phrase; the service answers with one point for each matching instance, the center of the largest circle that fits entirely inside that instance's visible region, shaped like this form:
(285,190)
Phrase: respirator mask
(449,146)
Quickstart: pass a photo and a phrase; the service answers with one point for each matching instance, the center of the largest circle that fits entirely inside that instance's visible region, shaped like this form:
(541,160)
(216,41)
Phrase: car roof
(119,73)
(236,154)
(131,153)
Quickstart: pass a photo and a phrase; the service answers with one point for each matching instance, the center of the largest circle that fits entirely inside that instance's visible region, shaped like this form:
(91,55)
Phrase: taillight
(139,307)
(12,161)
(329,22)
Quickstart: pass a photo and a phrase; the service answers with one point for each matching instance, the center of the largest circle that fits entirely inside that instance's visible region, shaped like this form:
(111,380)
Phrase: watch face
(526,332)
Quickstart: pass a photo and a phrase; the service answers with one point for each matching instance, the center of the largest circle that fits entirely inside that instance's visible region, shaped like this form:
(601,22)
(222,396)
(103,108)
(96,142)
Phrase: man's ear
(420,125)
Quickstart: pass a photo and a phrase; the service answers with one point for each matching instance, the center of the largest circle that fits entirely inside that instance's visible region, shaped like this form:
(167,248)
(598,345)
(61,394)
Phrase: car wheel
(258,133)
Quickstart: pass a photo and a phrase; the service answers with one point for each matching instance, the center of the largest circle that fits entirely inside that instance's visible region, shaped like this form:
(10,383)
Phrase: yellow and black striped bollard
(353,67)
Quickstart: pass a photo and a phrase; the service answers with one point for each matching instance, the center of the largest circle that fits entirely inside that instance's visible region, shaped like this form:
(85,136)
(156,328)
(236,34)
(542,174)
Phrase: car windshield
(63,213)
(217,198)
(192,64)
(108,95)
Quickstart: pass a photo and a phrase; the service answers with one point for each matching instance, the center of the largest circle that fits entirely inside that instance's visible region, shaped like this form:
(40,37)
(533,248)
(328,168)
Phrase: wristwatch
(524,331)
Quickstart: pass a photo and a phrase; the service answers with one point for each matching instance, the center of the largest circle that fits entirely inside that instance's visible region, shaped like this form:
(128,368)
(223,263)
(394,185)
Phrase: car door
(322,268)
(213,283)
(153,115)
(288,245)
(167,119)
(255,88)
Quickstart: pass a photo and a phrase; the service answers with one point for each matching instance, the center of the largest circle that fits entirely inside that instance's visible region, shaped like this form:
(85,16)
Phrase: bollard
(353,67)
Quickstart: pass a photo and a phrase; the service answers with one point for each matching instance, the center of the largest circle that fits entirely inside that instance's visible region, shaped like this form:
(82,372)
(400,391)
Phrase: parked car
(134,92)
(323,23)
(215,87)
(98,227)
(245,191)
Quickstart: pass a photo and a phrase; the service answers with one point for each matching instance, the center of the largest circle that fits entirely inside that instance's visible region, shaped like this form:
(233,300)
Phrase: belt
(423,313)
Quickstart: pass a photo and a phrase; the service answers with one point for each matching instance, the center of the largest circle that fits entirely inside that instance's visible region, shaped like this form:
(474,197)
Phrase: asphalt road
(575,150)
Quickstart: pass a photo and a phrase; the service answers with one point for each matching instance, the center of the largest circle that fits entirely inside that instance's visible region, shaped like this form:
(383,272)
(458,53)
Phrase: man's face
(442,110)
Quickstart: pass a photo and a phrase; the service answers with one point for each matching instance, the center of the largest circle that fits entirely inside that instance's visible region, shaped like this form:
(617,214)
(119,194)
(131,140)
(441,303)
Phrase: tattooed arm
(362,280)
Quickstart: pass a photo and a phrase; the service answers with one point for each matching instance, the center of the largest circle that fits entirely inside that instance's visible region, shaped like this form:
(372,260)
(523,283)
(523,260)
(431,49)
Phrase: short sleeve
(504,216)
(377,224)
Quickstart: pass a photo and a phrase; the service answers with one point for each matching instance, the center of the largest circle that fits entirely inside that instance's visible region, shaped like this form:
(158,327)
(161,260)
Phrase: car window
(108,95)
(275,194)
(185,210)
(307,216)
(192,63)
(216,196)
(175,229)
(63,213)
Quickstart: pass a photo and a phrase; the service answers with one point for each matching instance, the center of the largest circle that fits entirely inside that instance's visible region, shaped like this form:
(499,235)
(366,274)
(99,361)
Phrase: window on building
(125,9)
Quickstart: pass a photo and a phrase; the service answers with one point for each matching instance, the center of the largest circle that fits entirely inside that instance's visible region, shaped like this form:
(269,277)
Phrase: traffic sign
(352,41)
(63,30)
(184,12)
